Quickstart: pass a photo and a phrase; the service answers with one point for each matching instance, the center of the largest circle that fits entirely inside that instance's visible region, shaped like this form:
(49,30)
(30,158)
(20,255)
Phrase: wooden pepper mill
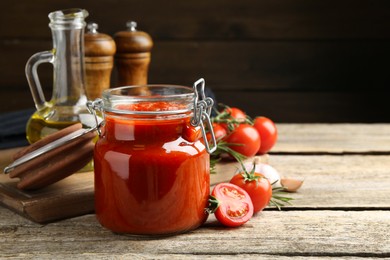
(133,55)
(99,61)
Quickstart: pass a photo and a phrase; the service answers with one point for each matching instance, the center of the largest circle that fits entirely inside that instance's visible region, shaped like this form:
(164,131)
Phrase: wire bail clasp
(202,111)
(93,106)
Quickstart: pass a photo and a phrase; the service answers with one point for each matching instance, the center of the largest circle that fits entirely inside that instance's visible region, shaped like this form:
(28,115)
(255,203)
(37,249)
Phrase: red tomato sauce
(148,178)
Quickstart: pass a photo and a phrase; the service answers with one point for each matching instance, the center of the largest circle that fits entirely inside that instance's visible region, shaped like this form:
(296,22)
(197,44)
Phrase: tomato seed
(232,193)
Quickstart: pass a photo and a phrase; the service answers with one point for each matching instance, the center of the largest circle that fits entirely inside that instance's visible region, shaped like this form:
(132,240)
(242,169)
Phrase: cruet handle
(33,79)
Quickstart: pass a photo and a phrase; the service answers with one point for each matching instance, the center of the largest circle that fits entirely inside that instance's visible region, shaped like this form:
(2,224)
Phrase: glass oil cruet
(68,102)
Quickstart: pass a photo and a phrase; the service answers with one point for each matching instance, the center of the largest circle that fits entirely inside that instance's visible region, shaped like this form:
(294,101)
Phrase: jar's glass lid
(149,99)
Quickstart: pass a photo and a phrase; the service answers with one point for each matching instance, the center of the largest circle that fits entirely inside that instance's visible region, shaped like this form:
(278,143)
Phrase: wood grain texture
(311,106)
(220,19)
(286,233)
(315,138)
(333,138)
(282,107)
(338,182)
(243,48)
(341,211)
(330,182)
(72,196)
(355,181)
(287,82)
(237,65)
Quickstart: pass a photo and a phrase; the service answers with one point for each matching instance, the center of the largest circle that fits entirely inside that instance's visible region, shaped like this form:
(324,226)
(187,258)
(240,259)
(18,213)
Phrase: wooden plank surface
(333,138)
(358,182)
(271,233)
(73,196)
(338,182)
(283,107)
(331,182)
(288,82)
(315,138)
(311,106)
(219,19)
(237,65)
(244,49)
(70,197)
(328,172)
(341,211)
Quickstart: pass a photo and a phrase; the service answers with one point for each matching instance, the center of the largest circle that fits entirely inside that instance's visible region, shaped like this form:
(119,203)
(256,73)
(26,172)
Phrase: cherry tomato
(268,133)
(235,112)
(234,204)
(257,186)
(219,132)
(231,114)
(244,139)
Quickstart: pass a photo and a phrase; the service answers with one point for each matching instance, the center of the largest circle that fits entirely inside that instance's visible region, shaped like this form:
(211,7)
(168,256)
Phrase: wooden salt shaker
(133,55)
(99,61)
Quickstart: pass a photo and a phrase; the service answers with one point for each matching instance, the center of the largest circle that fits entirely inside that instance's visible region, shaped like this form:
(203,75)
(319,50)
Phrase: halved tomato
(232,205)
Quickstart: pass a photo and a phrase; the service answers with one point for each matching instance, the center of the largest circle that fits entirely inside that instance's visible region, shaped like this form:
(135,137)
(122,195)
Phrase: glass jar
(151,163)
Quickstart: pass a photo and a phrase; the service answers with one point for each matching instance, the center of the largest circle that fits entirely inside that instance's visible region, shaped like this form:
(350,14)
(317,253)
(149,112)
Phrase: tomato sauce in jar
(151,168)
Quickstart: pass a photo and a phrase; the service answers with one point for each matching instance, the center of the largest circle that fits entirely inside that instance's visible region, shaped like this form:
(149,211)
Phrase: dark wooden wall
(294,61)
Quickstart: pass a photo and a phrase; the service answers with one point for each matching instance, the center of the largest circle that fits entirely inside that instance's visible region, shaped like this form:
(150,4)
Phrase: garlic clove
(291,185)
(267,170)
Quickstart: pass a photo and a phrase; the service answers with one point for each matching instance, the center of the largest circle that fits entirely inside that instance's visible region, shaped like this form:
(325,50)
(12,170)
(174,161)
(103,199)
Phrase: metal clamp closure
(93,106)
(202,111)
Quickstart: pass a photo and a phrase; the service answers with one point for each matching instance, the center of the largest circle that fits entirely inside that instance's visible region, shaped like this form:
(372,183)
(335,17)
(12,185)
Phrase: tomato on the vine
(268,133)
(234,115)
(244,139)
(232,206)
(235,112)
(257,186)
(219,132)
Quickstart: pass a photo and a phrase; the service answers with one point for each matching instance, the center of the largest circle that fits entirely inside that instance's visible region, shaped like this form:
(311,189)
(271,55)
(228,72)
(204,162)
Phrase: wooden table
(342,210)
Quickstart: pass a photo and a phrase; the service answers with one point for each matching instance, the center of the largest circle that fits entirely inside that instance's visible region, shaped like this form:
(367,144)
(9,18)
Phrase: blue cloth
(13,128)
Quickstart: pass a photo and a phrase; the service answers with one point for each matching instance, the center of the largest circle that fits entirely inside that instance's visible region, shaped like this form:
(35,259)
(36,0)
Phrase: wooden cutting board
(70,197)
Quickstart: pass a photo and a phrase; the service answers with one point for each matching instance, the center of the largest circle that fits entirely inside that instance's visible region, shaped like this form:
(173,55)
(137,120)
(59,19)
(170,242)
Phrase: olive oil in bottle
(67,56)
(38,127)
